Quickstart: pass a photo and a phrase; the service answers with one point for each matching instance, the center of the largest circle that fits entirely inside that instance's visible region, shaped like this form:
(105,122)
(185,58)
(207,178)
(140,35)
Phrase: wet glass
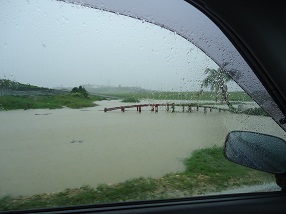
(98,107)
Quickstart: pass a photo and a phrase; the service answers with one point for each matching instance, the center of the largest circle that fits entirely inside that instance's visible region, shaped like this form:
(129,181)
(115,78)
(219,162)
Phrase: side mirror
(255,150)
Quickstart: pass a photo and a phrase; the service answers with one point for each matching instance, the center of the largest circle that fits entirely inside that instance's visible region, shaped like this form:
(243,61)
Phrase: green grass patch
(255,111)
(47,101)
(130,100)
(16,86)
(233,96)
(207,170)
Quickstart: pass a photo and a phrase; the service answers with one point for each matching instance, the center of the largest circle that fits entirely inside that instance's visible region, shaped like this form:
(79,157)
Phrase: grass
(130,100)
(233,96)
(207,170)
(77,100)
(255,111)
(46,101)
(16,86)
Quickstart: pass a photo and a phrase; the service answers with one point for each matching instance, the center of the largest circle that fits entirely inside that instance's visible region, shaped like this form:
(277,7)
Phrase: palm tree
(216,80)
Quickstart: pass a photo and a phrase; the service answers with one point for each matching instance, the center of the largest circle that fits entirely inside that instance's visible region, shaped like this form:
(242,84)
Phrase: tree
(74,90)
(216,80)
(81,90)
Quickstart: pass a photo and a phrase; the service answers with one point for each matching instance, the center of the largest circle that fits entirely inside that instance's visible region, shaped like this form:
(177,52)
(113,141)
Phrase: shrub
(80,90)
(255,111)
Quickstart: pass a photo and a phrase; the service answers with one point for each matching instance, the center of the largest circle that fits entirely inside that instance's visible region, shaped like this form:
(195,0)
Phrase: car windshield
(98,104)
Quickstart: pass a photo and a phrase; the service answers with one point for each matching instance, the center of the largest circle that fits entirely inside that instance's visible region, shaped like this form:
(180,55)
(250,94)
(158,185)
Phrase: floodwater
(44,151)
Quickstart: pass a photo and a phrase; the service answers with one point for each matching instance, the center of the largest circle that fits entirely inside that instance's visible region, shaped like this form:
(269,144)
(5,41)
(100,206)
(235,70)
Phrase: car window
(98,106)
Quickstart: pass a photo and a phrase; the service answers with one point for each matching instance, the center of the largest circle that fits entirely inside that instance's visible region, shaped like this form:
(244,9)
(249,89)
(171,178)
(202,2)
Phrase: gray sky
(52,44)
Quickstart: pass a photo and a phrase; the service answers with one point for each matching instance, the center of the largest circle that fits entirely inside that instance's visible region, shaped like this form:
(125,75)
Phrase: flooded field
(43,151)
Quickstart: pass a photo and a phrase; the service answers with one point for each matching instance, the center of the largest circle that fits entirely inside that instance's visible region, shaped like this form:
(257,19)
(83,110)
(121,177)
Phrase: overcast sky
(53,44)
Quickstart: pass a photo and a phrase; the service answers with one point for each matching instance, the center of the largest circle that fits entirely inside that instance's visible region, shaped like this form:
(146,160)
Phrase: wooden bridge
(169,107)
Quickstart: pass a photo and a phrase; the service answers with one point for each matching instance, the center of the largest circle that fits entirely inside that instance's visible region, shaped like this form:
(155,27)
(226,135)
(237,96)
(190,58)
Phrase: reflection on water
(50,150)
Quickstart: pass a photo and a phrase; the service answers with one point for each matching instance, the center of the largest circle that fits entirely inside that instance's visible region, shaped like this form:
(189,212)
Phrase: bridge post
(205,109)
(122,109)
(183,108)
(197,108)
(152,108)
(139,109)
(190,108)
(156,108)
(105,110)
(167,107)
(211,109)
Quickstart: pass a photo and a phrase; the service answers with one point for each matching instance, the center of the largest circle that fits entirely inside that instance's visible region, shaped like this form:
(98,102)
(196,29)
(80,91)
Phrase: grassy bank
(46,101)
(16,86)
(206,171)
(233,96)
(130,100)
(255,111)
(140,93)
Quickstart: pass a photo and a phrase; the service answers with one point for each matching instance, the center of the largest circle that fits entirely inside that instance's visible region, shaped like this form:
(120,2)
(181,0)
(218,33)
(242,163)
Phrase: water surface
(44,151)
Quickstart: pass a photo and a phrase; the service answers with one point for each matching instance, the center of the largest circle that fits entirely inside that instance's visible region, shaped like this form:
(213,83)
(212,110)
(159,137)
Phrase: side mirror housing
(255,150)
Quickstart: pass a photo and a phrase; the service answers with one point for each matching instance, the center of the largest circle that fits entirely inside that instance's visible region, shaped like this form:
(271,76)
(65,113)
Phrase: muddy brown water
(44,151)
